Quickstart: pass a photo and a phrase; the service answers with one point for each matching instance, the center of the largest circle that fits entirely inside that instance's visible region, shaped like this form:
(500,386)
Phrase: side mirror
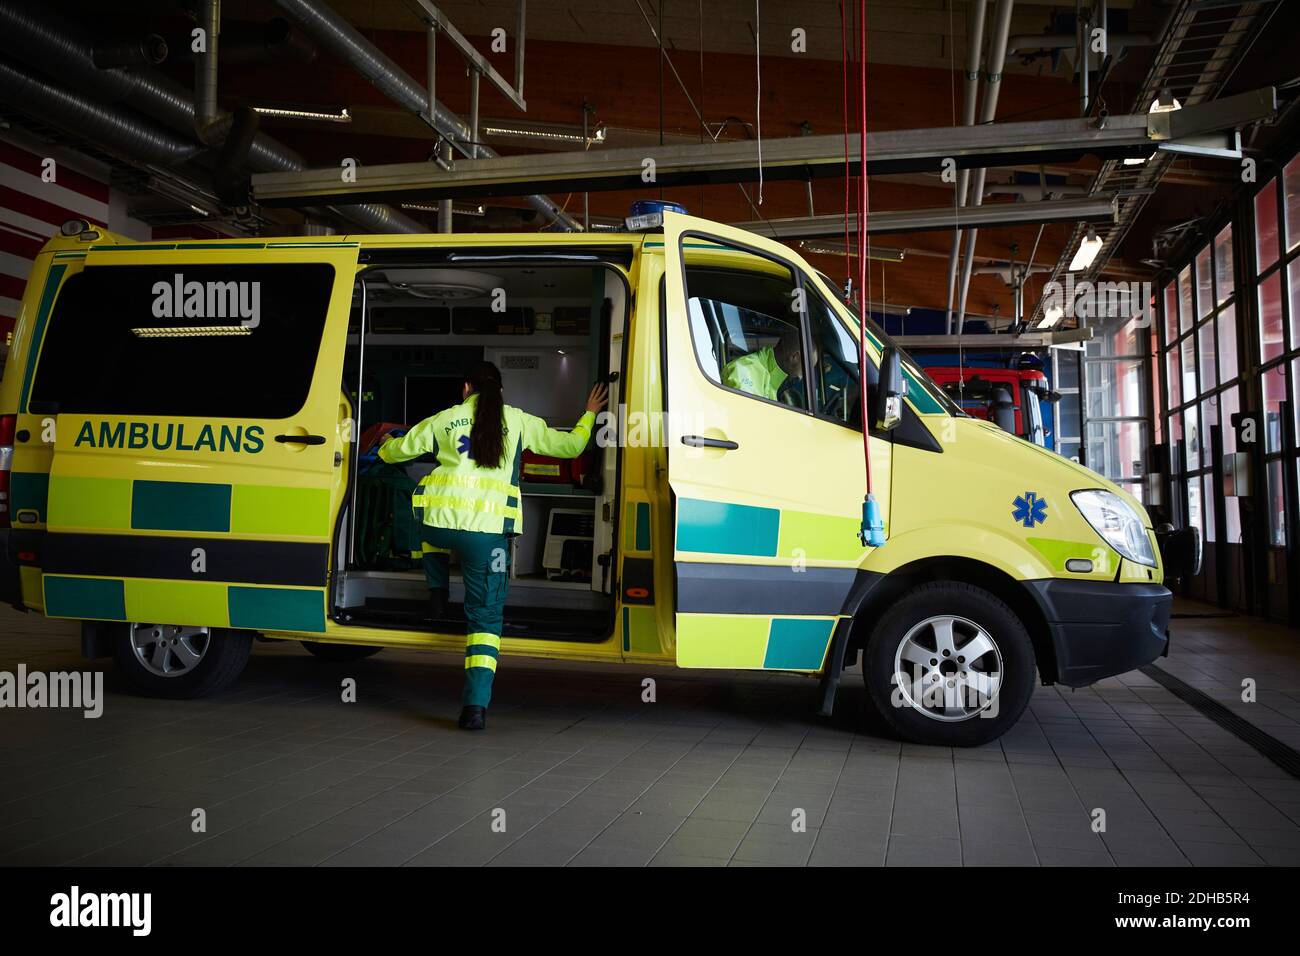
(887,409)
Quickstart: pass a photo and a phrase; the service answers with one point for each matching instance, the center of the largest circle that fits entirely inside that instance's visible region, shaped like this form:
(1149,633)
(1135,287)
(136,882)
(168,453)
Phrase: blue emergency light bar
(648,214)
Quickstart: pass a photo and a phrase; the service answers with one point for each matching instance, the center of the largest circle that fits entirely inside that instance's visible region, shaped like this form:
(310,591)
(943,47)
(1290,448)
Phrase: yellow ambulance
(187,463)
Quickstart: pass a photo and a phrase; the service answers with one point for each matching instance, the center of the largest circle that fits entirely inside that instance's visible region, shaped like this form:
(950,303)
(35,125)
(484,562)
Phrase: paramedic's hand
(598,398)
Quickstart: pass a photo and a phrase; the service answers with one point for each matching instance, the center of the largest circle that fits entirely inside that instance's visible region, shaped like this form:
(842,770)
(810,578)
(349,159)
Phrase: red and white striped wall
(31,211)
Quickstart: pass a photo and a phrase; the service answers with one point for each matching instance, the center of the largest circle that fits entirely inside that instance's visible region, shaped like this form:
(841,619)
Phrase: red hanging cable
(862,237)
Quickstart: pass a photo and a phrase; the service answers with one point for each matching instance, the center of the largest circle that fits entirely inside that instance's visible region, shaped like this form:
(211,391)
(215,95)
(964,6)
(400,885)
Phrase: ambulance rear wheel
(949,665)
(180,662)
(340,653)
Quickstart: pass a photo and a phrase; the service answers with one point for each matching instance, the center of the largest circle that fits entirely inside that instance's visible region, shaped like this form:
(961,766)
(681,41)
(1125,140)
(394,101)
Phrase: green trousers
(485,565)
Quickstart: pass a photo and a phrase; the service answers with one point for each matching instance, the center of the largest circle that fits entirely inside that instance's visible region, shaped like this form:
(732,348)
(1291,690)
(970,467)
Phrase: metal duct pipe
(116,129)
(338,36)
(210,124)
(148,50)
(974,47)
(28,32)
(274,41)
(988,110)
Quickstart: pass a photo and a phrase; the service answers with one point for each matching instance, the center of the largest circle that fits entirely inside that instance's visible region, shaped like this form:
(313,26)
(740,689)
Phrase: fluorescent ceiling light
(544,133)
(1165,103)
(830,247)
(340,115)
(457,208)
(1051,317)
(1088,249)
(191,331)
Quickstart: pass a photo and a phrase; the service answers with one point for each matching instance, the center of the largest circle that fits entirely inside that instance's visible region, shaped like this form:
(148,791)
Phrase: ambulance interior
(553,329)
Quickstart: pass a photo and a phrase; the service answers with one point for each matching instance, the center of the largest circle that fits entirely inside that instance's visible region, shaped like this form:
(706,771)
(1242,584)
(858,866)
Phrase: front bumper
(1100,628)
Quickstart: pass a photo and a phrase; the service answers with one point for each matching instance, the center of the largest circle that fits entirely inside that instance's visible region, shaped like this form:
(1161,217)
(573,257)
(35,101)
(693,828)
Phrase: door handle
(300,439)
(699,441)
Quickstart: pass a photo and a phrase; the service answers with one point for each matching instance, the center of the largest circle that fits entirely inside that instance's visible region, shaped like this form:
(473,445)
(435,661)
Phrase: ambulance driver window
(836,385)
(216,341)
(745,322)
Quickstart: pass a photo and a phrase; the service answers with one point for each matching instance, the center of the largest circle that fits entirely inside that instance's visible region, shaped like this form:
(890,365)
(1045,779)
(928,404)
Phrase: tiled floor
(576,769)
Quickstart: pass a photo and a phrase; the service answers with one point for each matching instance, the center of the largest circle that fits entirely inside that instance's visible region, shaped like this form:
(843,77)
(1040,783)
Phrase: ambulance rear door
(196,392)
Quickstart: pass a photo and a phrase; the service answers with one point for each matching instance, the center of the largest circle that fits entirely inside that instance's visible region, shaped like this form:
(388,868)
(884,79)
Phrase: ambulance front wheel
(171,660)
(949,665)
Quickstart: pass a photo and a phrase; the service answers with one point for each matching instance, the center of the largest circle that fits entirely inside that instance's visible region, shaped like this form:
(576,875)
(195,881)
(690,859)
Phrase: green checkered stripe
(197,603)
(125,504)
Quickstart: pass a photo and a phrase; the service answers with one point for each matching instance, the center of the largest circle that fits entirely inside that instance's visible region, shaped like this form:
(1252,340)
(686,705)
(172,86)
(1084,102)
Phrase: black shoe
(472,718)
(438,598)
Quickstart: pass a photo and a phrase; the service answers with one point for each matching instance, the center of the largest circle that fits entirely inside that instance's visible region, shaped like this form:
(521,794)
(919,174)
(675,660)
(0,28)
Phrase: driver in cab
(772,372)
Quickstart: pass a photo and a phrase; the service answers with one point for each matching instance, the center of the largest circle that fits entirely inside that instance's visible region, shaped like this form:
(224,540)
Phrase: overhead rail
(883,222)
(1212,127)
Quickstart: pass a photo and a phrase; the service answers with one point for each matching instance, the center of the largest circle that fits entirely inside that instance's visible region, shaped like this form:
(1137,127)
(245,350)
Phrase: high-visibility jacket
(758,373)
(459,493)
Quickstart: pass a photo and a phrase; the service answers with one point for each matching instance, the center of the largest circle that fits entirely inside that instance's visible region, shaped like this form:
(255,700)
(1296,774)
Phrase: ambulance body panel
(206,480)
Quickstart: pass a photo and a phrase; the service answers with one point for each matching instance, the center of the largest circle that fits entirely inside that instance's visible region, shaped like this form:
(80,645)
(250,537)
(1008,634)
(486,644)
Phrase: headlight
(1113,519)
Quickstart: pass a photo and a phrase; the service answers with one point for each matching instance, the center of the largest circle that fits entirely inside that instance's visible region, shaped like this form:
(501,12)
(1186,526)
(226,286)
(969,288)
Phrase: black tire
(223,660)
(340,653)
(917,618)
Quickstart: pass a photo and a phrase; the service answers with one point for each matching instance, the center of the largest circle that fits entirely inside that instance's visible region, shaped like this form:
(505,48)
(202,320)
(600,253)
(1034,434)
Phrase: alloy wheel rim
(169,650)
(948,668)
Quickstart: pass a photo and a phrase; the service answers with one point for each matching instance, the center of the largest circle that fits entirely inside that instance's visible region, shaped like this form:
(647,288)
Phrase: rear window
(210,341)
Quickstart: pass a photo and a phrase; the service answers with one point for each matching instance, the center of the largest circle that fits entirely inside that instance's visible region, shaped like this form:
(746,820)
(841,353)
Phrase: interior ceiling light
(191,331)
(340,115)
(1051,317)
(832,248)
(456,208)
(544,133)
(1088,249)
(1166,102)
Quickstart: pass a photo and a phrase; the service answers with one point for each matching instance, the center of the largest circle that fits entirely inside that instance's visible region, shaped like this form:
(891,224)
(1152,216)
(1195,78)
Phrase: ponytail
(488,436)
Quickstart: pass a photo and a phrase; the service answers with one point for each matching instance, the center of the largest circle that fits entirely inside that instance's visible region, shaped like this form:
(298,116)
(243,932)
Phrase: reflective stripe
(465,505)
(448,479)
(491,640)
(481,660)
(427,548)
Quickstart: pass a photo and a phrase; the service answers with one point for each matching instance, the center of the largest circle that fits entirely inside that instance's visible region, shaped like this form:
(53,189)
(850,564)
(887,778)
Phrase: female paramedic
(470,504)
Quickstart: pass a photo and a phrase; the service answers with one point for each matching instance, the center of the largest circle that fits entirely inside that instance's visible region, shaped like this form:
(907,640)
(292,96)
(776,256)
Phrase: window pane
(1115,388)
(1227,328)
(1191,439)
(1295,406)
(1174,376)
(1158,407)
(1270,318)
(1194,519)
(1293,281)
(1266,226)
(1276,505)
(1185,299)
(1228,406)
(746,328)
(1291,187)
(1223,281)
(1209,418)
(1274,388)
(835,365)
(1204,283)
(1171,312)
(1205,338)
(128,359)
(1175,440)
(1207,499)
(1188,349)
(1115,449)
